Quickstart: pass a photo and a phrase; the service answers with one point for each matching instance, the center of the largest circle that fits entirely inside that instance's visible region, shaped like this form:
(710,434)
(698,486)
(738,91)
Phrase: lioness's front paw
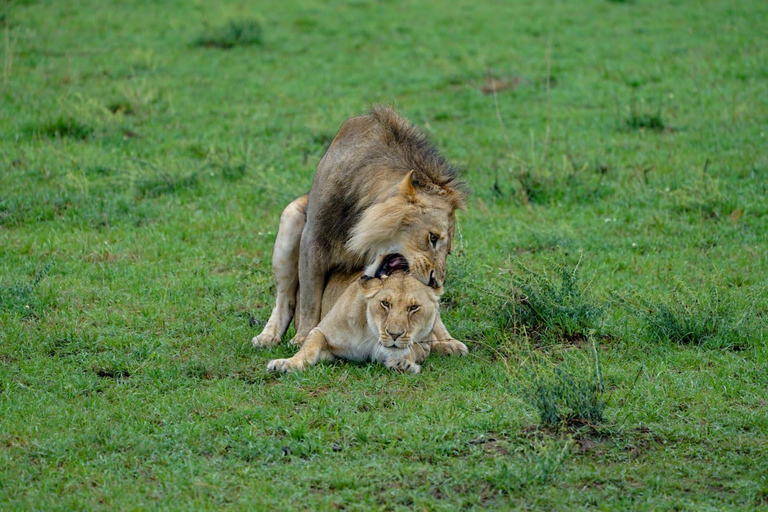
(282,365)
(450,347)
(267,338)
(403,365)
(298,340)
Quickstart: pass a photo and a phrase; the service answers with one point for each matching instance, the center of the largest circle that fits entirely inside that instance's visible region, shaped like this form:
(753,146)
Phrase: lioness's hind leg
(445,343)
(285,268)
(314,349)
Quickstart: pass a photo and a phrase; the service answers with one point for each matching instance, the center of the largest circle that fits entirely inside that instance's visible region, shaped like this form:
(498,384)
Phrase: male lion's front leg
(285,268)
(445,343)
(314,349)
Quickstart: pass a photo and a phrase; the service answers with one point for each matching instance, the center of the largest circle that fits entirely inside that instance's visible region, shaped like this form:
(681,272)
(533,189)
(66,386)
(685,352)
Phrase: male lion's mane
(370,155)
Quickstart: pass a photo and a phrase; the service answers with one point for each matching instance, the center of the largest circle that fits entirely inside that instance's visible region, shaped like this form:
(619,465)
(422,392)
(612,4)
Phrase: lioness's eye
(413,308)
(385,304)
(433,238)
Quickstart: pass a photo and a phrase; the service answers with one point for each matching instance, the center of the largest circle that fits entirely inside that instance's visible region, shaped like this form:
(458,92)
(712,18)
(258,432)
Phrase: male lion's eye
(385,304)
(433,238)
(413,309)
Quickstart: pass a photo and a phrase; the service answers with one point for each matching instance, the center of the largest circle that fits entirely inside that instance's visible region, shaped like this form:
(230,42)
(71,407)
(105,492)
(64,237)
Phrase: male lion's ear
(407,188)
(370,285)
(457,199)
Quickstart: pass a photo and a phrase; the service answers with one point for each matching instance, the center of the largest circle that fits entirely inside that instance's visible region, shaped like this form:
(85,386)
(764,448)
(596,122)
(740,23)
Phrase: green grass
(143,174)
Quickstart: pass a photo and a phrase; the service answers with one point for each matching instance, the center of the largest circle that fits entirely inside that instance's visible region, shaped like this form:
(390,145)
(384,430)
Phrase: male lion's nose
(395,335)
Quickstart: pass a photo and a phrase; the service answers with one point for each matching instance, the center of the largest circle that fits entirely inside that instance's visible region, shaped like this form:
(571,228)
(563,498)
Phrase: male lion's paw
(450,347)
(267,338)
(403,365)
(282,365)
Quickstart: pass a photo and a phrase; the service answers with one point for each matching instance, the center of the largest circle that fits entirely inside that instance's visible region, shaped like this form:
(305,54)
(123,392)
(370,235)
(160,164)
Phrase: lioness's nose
(395,335)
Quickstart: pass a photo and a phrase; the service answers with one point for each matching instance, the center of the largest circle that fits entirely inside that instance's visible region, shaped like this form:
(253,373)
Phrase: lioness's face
(401,308)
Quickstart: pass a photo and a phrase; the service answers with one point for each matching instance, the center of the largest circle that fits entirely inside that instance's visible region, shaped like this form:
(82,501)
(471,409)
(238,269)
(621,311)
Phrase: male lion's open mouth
(391,263)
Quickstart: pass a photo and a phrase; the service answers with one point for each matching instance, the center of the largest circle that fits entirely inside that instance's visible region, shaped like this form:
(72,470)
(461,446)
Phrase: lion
(382,199)
(385,320)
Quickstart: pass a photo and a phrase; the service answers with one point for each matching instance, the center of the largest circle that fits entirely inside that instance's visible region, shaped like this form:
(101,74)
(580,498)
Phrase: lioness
(383,199)
(375,319)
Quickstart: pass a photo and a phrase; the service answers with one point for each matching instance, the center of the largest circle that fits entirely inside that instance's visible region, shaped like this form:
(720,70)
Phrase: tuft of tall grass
(545,182)
(555,309)
(644,120)
(685,318)
(166,183)
(564,398)
(20,299)
(234,33)
(62,127)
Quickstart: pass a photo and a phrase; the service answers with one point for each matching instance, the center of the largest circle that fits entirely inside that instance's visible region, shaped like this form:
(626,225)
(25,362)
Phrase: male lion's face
(425,245)
(412,231)
(401,308)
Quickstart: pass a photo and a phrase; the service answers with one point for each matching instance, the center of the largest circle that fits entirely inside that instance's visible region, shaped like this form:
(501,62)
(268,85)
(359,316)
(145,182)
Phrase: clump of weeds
(551,308)
(231,34)
(21,299)
(705,319)
(62,127)
(568,397)
(644,119)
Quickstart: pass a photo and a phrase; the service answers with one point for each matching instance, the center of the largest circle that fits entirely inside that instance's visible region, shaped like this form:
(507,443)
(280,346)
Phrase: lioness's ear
(407,188)
(370,285)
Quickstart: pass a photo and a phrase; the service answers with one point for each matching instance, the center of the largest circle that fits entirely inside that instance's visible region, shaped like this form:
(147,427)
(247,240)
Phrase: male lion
(375,319)
(383,199)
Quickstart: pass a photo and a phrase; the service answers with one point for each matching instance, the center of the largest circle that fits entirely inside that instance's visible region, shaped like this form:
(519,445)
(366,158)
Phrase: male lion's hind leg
(314,350)
(312,273)
(285,267)
(445,343)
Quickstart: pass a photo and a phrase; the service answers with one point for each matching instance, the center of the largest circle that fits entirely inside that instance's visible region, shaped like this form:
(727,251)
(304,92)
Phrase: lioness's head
(412,231)
(400,307)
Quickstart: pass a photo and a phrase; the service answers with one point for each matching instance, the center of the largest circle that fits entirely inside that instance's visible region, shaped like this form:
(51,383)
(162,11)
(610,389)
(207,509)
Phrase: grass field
(610,278)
